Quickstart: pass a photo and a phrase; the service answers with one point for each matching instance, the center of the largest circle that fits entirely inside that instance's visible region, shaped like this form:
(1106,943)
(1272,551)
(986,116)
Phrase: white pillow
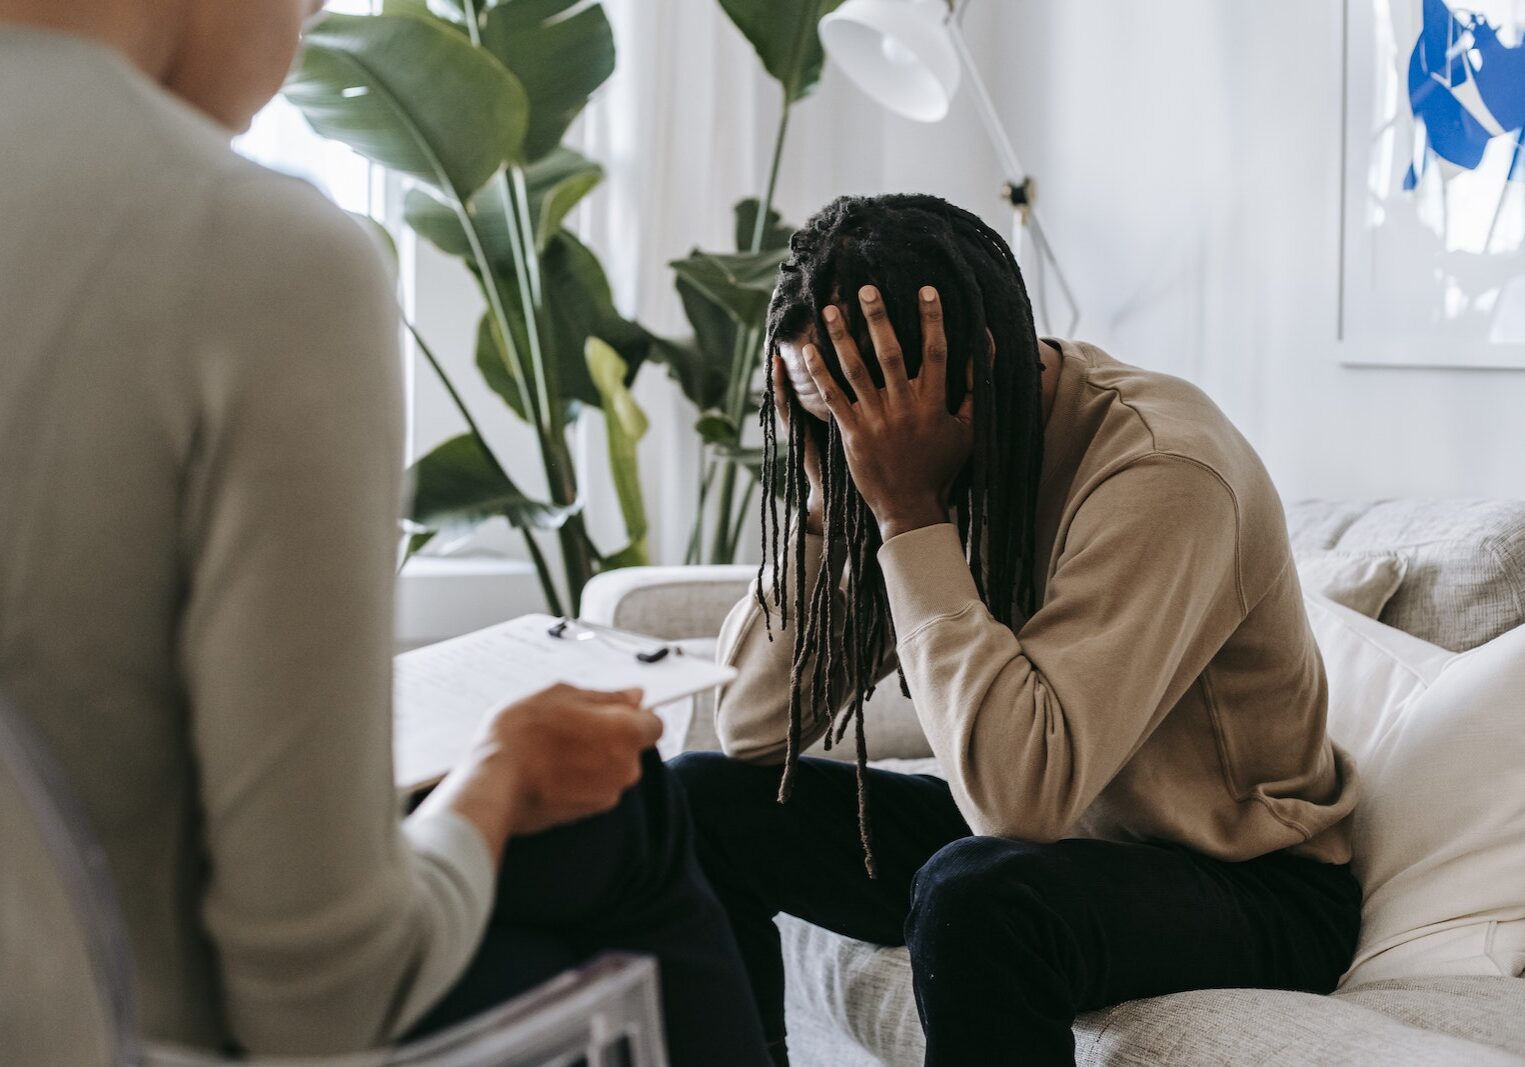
(1362,581)
(1439,832)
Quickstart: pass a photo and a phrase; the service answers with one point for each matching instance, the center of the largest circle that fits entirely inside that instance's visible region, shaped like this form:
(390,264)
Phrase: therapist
(200,444)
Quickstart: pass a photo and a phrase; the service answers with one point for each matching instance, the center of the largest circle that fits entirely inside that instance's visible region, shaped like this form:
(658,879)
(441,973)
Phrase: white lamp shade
(898,52)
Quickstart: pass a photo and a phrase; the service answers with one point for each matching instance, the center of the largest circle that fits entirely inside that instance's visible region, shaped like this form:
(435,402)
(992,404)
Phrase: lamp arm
(1006,154)
(1004,149)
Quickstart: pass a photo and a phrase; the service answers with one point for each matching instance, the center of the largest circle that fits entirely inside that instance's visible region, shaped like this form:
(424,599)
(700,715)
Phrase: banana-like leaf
(413,95)
(699,370)
(380,235)
(625,424)
(426,9)
(414,542)
(775,233)
(461,484)
(578,303)
(555,185)
(492,362)
(560,58)
(739,283)
(785,34)
(716,428)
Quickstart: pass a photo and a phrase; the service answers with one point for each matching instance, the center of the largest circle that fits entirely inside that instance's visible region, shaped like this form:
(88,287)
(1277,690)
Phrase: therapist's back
(200,439)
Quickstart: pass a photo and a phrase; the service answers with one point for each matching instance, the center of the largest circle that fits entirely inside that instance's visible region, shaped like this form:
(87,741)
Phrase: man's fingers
(835,400)
(886,344)
(933,378)
(780,388)
(853,367)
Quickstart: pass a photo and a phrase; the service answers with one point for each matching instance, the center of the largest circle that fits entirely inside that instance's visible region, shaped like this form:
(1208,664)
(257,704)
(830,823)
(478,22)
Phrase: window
(281,140)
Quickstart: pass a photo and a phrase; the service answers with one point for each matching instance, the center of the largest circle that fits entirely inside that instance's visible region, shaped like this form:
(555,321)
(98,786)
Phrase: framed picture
(1432,263)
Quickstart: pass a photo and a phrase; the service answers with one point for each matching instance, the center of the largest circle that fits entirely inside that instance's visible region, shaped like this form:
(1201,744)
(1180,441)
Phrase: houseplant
(470,99)
(725,295)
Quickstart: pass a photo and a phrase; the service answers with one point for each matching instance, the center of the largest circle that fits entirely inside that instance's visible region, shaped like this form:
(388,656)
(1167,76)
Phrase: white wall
(1188,154)
(1189,160)
(1191,153)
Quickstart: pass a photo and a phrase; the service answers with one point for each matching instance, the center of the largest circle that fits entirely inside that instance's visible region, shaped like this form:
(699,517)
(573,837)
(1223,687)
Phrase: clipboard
(442,692)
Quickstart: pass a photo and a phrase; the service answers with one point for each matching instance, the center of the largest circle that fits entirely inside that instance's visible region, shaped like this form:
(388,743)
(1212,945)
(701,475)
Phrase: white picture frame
(1417,266)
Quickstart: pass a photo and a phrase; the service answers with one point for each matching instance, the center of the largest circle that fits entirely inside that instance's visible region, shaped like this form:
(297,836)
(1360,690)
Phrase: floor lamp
(908,55)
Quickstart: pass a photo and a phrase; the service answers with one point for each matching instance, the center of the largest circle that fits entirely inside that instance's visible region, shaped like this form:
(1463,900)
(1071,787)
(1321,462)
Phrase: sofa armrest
(672,603)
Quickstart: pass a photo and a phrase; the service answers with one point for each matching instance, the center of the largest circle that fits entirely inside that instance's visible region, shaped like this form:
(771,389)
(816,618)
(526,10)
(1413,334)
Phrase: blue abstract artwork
(1432,241)
(1466,86)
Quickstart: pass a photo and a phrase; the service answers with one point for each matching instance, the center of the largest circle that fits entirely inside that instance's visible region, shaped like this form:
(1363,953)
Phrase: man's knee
(974,888)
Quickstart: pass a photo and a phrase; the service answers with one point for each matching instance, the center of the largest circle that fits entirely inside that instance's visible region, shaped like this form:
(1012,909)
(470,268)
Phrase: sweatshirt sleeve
(334,924)
(1031,726)
(752,715)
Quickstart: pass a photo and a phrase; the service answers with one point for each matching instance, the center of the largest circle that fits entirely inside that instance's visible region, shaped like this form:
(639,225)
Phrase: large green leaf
(426,9)
(578,304)
(716,428)
(555,185)
(775,233)
(460,484)
(740,283)
(699,370)
(411,94)
(785,36)
(492,362)
(560,58)
(448,11)
(624,425)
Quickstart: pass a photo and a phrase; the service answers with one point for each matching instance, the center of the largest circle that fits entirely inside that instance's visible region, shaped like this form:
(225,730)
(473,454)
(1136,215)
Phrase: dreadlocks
(898,244)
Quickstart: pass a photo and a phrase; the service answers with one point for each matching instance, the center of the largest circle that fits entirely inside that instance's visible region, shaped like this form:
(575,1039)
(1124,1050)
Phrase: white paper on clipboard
(442,692)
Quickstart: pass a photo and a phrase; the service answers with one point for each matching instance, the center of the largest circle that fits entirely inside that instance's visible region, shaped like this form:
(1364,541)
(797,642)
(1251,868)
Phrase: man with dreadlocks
(1082,572)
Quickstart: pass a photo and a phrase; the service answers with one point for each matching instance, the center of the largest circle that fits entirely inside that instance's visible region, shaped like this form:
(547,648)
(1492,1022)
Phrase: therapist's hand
(560,755)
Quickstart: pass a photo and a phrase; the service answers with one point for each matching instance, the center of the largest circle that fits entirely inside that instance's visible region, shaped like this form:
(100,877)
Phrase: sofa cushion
(1361,581)
(1439,834)
(1489,1011)
(850,1005)
(1465,580)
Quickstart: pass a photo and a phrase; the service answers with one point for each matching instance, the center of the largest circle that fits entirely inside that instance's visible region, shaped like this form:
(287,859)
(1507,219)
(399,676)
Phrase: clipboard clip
(577,630)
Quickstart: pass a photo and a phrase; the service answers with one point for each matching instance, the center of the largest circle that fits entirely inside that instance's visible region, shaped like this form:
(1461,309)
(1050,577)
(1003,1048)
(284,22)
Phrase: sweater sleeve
(334,924)
(752,715)
(1031,726)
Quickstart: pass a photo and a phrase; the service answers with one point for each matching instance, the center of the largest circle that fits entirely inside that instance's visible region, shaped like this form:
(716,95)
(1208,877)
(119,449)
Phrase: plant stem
(759,227)
(552,599)
(455,397)
(741,514)
(544,403)
(696,537)
(744,357)
(721,549)
(576,552)
(547,582)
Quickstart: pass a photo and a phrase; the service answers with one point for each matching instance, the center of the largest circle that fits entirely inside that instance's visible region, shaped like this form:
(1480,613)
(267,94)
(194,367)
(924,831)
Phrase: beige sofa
(850,1004)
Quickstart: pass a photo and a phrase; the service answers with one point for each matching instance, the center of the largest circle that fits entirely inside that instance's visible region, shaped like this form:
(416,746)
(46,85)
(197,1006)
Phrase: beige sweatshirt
(200,445)
(1168,687)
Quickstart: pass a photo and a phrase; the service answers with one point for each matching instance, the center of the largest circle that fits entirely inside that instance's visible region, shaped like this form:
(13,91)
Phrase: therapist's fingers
(595,696)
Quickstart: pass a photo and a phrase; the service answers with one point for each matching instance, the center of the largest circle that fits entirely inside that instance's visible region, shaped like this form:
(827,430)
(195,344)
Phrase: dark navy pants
(1008,940)
(626,880)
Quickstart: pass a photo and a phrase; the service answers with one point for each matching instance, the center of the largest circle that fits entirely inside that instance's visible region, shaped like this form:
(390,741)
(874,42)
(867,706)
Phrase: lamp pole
(1019,188)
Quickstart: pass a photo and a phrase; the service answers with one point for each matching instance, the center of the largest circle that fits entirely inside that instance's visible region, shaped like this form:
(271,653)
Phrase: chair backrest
(66,981)
(65,978)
